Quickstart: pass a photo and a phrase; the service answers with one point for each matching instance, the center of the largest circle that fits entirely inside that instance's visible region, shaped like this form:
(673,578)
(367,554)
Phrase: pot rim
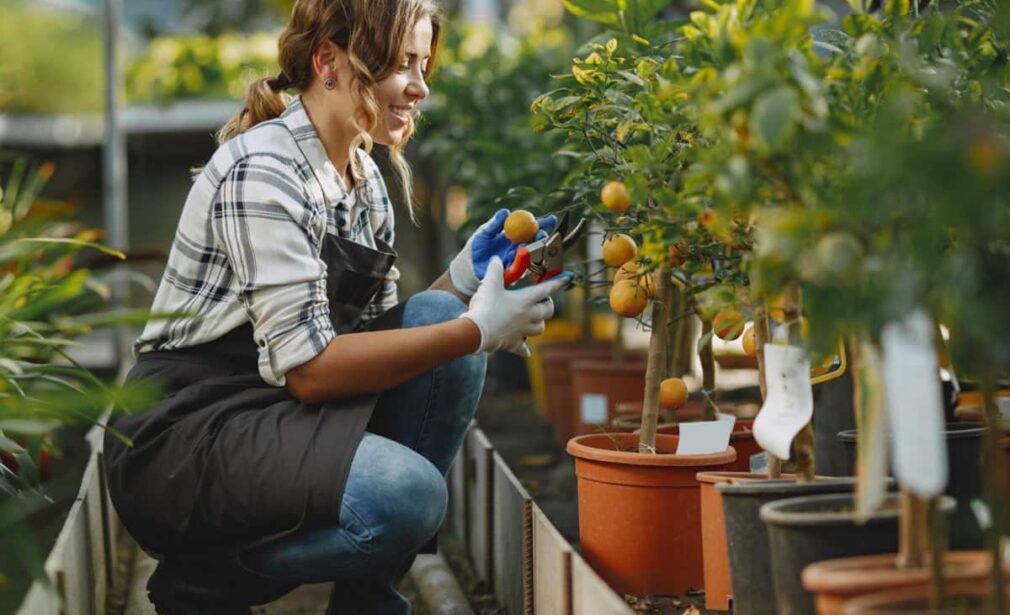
(849,575)
(581,447)
(718,477)
(954,430)
(776,486)
(773,513)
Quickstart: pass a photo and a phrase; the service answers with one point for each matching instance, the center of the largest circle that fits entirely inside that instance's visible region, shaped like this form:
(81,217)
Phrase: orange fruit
(776,308)
(750,342)
(636,273)
(707,218)
(628,298)
(615,197)
(672,393)
(521,226)
(678,253)
(728,324)
(619,249)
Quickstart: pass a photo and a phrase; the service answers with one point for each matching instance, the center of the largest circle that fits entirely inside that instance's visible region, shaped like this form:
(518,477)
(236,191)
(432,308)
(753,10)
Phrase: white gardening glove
(507,317)
(468,268)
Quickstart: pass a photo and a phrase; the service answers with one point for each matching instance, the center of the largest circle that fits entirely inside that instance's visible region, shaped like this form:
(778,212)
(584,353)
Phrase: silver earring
(329,83)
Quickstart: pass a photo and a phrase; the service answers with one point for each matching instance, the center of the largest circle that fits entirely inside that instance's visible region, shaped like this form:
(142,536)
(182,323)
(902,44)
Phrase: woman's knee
(432,307)
(406,497)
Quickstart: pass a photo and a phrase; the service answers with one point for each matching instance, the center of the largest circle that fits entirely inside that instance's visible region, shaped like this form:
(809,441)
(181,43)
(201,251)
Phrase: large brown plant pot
(835,582)
(715,554)
(597,388)
(640,514)
(965,598)
(555,361)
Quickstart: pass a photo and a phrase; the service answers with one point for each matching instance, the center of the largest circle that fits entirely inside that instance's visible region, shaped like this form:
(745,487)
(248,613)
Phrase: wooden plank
(552,568)
(97,534)
(480,474)
(455,518)
(512,536)
(591,595)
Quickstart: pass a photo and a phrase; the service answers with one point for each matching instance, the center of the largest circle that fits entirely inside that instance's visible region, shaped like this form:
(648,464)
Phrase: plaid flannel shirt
(248,245)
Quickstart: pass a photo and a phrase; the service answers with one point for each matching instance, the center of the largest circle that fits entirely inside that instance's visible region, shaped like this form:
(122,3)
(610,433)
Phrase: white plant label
(704,437)
(915,404)
(593,408)
(789,401)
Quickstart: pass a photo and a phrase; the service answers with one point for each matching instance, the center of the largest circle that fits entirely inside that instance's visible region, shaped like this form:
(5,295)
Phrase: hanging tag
(871,439)
(914,404)
(789,402)
(704,437)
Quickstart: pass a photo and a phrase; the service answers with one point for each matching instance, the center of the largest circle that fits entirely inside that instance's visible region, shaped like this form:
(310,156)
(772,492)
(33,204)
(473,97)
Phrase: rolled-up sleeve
(269,231)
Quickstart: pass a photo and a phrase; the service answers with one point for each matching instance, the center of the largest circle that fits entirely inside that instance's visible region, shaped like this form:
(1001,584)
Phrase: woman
(308,419)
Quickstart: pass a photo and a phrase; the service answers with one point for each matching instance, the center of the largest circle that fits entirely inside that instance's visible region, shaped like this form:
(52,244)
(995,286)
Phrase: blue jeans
(395,497)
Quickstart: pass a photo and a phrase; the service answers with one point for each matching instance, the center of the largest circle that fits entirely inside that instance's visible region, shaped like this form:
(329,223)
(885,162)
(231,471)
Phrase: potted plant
(49,298)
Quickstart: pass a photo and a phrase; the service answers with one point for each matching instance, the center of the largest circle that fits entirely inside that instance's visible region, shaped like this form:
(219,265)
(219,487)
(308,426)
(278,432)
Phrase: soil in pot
(965,598)
(835,582)
(640,514)
(964,460)
(597,388)
(814,528)
(555,362)
(747,537)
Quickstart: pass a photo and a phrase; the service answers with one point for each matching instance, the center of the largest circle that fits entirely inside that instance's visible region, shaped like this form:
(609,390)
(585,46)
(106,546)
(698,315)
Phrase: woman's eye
(404,68)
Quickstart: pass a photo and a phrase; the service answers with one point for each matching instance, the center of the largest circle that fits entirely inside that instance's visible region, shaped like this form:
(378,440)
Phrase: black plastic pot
(810,529)
(964,459)
(747,538)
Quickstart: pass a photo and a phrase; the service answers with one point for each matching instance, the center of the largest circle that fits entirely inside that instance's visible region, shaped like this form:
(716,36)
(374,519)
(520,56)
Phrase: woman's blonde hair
(372,33)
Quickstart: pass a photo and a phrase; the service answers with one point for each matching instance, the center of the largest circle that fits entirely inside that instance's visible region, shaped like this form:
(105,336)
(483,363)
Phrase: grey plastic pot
(964,460)
(814,528)
(747,538)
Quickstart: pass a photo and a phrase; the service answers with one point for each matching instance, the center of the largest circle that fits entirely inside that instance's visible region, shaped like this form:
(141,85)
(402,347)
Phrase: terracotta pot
(742,439)
(640,514)
(598,386)
(970,597)
(835,582)
(973,414)
(715,554)
(555,360)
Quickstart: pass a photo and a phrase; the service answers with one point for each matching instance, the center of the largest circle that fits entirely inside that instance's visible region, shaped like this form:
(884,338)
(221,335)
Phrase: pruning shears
(545,257)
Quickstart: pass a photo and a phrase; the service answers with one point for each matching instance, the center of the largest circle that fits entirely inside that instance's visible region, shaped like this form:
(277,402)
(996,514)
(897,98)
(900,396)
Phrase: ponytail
(264,100)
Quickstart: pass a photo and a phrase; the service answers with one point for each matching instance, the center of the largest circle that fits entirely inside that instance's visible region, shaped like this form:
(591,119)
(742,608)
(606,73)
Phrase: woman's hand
(507,317)
(471,264)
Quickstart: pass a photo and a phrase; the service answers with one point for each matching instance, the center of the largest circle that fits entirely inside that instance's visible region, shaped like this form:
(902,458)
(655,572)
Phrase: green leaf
(606,12)
(704,341)
(774,117)
(29,427)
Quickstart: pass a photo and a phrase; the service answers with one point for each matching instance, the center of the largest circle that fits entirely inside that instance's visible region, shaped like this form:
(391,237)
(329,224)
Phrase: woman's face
(404,88)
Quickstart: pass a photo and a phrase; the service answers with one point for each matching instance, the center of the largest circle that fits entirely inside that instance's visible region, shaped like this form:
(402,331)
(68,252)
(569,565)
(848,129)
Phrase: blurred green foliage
(477,132)
(50,60)
(200,66)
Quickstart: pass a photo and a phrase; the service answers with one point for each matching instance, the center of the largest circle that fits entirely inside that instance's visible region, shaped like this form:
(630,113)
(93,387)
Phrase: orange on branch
(521,226)
(678,253)
(636,273)
(672,393)
(619,249)
(628,298)
(750,342)
(615,197)
(728,324)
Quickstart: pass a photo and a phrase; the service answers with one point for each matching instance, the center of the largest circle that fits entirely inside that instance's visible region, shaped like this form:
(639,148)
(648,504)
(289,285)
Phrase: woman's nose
(417,88)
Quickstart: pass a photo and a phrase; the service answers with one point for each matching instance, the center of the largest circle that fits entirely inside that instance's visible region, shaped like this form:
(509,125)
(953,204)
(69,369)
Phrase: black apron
(224,461)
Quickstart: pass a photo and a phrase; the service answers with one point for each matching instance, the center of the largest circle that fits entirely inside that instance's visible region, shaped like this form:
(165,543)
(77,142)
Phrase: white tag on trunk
(915,405)
(704,437)
(789,402)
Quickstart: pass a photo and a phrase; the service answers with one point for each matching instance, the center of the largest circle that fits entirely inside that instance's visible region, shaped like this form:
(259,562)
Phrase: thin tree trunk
(803,443)
(708,373)
(996,495)
(655,368)
(937,545)
(912,526)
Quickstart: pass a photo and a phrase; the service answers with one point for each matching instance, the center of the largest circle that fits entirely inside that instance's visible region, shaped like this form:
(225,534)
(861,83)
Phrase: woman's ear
(329,62)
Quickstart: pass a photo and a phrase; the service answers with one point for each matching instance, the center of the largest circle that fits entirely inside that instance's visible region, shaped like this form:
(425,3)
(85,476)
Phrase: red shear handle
(550,274)
(519,266)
